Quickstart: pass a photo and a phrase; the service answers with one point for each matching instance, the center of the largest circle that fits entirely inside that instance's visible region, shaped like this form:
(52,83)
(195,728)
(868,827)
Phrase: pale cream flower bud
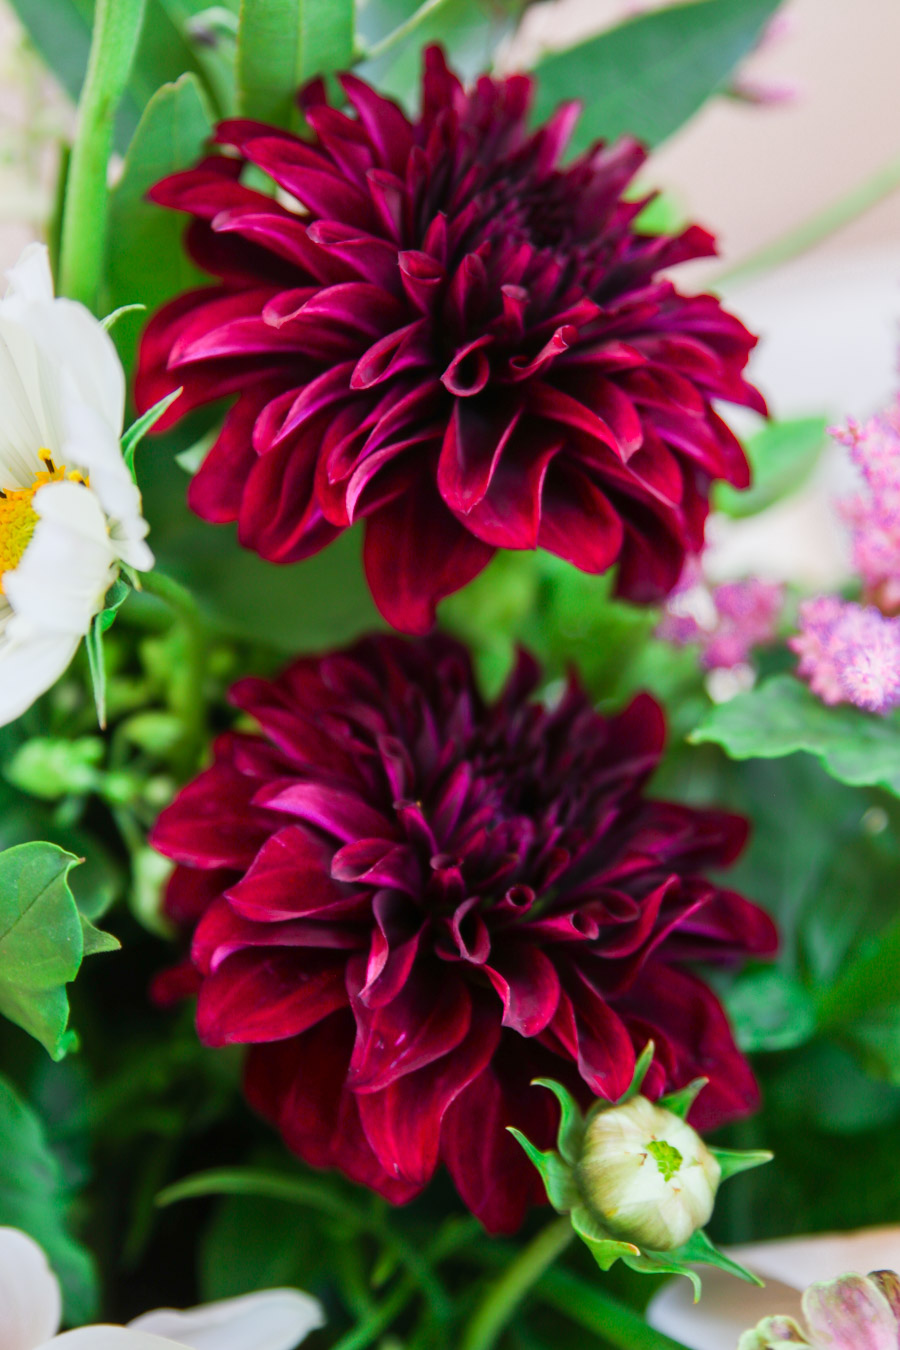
(647,1175)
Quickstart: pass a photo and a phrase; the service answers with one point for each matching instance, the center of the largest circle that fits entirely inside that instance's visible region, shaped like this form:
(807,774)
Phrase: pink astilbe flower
(849,653)
(727,622)
(874,514)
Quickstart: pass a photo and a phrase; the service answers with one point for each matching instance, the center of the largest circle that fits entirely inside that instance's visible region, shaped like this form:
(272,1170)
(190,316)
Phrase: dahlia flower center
(18,516)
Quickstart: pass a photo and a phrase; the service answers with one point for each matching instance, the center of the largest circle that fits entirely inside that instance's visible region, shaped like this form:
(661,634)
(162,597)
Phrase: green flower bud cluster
(637,1181)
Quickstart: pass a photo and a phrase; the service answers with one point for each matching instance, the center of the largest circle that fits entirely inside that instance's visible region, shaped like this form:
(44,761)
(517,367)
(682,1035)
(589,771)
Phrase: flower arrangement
(451,843)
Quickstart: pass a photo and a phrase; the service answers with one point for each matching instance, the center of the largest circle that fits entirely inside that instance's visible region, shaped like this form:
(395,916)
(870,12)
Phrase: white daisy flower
(70,512)
(276,1319)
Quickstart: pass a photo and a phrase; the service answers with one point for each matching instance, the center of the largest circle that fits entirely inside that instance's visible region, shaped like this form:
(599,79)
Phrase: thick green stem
(404,29)
(117,26)
(365,1332)
(599,1312)
(819,227)
(503,1297)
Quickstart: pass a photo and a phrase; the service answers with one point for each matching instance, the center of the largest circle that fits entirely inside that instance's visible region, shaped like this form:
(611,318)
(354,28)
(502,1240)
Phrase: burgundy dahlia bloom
(411,902)
(437,328)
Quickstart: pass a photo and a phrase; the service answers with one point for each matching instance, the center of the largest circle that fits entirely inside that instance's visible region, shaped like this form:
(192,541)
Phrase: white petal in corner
(29,1292)
(28,668)
(30,278)
(108,1338)
(92,445)
(277,1319)
(729,1307)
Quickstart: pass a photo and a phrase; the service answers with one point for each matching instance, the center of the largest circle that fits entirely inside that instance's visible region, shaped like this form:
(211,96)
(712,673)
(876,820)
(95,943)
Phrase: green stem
(503,1297)
(817,228)
(618,1324)
(404,29)
(365,1332)
(117,26)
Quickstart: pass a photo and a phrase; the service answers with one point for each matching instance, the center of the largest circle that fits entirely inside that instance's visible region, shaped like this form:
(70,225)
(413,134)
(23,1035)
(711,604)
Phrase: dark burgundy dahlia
(444,332)
(411,902)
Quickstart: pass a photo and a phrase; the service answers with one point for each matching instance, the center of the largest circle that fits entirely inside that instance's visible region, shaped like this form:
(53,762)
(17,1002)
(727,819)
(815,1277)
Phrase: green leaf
(95,940)
(281,45)
(783,716)
(769,1009)
(699,1248)
(34,1197)
(646,77)
(733,1160)
(641,1069)
(93,645)
(555,1173)
(870,981)
(571,1121)
(662,1263)
(782,455)
(172,135)
(138,430)
(42,942)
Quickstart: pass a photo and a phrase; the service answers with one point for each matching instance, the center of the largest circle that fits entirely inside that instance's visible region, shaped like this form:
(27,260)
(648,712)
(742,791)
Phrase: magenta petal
(528,985)
(426,1020)
(335,810)
(416,553)
(289,877)
(403,1122)
(268,996)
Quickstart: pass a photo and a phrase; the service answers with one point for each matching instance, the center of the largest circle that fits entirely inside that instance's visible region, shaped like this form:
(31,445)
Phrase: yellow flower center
(18,516)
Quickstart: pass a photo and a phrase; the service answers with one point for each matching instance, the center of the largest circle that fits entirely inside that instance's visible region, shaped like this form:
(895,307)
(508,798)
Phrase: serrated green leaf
(138,430)
(281,44)
(34,1197)
(680,1102)
(782,455)
(732,1161)
(172,135)
(555,1173)
(783,716)
(646,77)
(43,940)
(571,1121)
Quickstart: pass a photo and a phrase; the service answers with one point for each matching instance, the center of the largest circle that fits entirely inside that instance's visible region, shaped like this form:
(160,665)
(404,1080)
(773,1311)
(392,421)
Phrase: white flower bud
(647,1176)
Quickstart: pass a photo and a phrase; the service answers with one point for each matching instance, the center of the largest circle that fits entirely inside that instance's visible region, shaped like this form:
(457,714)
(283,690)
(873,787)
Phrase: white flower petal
(91,445)
(29,666)
(30,1300)
(67,567)
(69,336)
(277,1319)
(729,1307)
(30,278)
(108,1338)
(30,400)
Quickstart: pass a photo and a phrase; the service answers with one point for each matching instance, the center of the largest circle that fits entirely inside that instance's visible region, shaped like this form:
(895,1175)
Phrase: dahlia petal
(415,553)
(402,1122)
(300,1086)
(469,371)
(528,985)
(289,877)
(378,862)
(211,822)
(387,127)
(509,514)
(216,489)
(284,235)
(400,350)
(475,440)
(221,932)
(489,1169)
(521,368)
(604,1051)
(423,277)
(427,1019)
(339,812)
(578,522)
(212,186)
(372,258)
(255,996)
(309,177)
(269,517)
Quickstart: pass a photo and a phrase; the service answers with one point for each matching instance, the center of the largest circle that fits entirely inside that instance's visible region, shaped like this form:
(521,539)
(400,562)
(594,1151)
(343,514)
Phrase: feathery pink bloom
(410,902)
(874,514)
(849,653)
(440,329)
(727,622)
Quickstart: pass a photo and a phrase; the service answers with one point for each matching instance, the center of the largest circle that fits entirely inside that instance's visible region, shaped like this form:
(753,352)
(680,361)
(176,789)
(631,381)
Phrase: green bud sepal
(567,1172)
